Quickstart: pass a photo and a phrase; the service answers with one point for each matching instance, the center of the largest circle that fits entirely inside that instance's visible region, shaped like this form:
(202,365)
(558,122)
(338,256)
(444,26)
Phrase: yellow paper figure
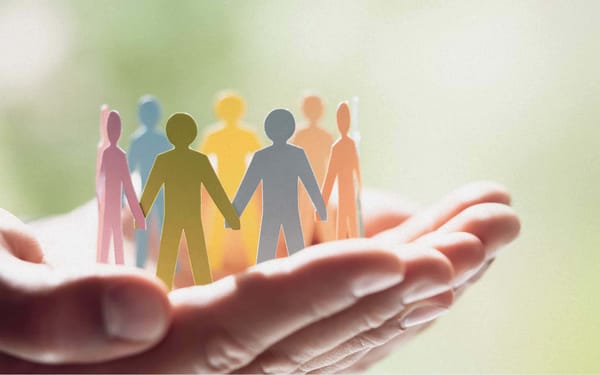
(231,144)
(183,171)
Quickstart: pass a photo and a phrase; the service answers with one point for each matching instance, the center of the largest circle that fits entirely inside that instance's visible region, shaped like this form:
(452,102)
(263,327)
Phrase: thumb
(78,315)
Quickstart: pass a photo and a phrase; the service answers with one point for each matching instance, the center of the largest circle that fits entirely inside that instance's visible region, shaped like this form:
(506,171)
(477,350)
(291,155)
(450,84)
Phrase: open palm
(336,306)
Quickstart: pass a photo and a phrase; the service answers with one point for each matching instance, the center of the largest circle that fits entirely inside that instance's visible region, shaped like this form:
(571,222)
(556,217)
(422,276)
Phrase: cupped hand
(336,306)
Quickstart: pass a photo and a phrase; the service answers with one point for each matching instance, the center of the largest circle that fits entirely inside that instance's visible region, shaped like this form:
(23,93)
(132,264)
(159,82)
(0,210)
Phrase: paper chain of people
(172,175)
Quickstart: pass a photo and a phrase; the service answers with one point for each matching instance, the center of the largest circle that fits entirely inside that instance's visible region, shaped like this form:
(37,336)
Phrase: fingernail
(374,283)
(133,312)
(422,314)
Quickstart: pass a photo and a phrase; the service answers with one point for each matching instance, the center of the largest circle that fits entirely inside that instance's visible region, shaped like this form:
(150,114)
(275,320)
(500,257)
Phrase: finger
(382,210)
(464,250)
(437,215)
(494,224)
(16,238)
(79,316)
(413,315)
(427,273)
(340,366)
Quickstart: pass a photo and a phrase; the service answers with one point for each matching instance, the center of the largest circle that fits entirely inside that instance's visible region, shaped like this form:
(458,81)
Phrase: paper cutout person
(102,145)
(183,171)
(114,178)
(146,143)
(343,165)
(279,167)
(355,135)
(232,144)
(316,142)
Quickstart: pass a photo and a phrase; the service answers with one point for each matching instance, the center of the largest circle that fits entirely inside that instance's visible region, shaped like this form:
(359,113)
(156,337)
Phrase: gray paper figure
(279,167)
(146,143)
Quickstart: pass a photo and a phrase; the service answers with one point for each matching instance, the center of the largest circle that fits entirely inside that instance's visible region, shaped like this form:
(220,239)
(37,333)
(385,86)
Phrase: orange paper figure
(183,171)
(343,166)
(232,144)
(102,145)
(113,179)
(316,142)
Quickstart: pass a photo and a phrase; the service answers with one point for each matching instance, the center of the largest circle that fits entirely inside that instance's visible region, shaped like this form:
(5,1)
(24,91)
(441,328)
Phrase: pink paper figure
(113,179)
(102,145)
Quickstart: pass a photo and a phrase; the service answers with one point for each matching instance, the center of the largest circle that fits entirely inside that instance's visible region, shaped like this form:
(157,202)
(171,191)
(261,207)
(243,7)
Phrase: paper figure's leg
(352,226)
(216,241)
(104,242)
(141,248)
(99,233)
(250,229)
(159,215)
(307,216)
(341,227)
(118,242)
(159,212)
(198,256)
(293,235)
(267,243)
(167,257)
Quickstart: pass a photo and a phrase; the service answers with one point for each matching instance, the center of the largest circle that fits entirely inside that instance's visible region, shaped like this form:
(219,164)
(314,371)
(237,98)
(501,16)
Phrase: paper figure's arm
(153,185)
(217,193)
(307,176)
(247,187)
(330,176)
(134,205)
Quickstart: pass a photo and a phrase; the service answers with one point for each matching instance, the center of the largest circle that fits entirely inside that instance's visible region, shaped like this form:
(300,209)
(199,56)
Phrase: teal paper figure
(146,143)
(279,167)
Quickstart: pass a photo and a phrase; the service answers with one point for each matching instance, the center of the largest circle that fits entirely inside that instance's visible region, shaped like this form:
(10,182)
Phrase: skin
(336,307)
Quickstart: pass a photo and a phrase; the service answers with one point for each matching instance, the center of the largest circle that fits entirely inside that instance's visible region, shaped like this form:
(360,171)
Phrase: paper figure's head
(230,107)
(181,129)
(113,127)
(312,107)
(148,111)
(343,118)
(104,110)
(280,125)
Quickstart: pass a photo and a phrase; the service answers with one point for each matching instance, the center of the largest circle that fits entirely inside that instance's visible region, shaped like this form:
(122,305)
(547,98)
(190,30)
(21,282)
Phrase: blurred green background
(450,92)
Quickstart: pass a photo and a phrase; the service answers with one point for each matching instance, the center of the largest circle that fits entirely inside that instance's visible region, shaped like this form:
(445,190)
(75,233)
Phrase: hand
(337,304)
(235,225)
(140,224)
(321,215)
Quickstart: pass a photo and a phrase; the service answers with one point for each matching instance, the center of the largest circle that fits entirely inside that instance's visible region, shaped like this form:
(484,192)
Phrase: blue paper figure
(279,167)
(146,143)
